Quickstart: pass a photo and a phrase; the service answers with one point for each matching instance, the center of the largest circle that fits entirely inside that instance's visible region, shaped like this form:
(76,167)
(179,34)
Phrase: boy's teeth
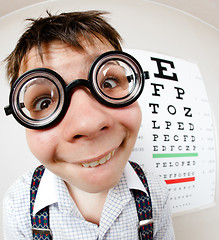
(108,157)
(86,164)
(94,164)
(98,162)
(103,160)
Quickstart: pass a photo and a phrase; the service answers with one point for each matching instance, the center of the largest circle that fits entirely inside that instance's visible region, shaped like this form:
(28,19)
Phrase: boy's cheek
(41,143)
(131,117)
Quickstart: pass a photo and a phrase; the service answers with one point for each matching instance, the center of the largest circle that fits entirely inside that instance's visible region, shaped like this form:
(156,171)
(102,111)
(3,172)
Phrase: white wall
(143,25)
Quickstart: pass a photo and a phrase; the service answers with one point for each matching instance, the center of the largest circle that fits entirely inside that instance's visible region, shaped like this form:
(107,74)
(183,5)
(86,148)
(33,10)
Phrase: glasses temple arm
(146,76)
(8,110)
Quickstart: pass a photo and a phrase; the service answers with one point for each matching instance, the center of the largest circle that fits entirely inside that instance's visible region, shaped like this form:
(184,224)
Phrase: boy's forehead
(51,52)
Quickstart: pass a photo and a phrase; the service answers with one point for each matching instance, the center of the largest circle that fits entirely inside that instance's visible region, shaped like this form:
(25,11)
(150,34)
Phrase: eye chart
(176,138)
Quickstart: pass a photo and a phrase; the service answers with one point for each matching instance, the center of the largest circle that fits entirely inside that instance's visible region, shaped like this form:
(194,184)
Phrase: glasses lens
(38,99)
(117,79)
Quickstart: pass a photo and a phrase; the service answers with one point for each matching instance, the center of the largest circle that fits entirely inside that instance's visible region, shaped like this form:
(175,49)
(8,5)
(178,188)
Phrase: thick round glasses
(40,98)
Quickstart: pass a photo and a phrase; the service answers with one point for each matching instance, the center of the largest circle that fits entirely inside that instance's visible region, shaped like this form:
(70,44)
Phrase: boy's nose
(85,117)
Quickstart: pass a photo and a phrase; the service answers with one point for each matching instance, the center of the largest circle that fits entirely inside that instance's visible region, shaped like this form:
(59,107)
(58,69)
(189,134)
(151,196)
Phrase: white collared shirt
(47,192)
(119,218)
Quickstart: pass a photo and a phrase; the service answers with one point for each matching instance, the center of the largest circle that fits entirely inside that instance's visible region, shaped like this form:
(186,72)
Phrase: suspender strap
(40,222)
(144,206)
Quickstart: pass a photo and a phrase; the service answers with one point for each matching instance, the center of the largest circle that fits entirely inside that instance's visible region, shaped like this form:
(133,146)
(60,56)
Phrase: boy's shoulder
(157,187)
(18,193)
(16,208)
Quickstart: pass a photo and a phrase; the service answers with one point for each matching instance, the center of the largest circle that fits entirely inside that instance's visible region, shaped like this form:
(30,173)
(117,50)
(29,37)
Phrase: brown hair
(65,27)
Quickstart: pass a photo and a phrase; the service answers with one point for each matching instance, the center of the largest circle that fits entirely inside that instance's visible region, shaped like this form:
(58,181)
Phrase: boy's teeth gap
(100,161)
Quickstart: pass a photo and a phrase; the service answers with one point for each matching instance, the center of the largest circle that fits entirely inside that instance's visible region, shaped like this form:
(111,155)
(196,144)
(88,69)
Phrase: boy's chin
(99,183)
(99,189)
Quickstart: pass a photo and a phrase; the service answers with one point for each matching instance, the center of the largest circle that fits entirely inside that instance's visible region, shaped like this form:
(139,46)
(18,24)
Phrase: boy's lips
(100,161)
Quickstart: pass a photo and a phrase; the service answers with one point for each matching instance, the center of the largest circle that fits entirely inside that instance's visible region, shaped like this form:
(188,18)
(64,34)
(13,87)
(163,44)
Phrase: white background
(143,25)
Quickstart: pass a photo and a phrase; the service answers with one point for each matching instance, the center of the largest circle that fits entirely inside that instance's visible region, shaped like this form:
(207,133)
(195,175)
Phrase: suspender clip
(148,233)
(145,222)
(42,231)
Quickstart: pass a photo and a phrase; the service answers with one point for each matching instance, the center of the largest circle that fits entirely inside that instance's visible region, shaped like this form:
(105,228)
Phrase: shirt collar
(133,180)
(47,193)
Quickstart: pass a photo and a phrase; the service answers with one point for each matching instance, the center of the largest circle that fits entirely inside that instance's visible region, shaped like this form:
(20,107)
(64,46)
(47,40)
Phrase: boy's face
(90,133)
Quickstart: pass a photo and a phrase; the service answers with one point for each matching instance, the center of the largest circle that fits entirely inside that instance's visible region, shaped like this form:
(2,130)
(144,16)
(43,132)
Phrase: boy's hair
(69,28)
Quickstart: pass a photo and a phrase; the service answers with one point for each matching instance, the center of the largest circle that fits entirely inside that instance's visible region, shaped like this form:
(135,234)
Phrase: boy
(81,116)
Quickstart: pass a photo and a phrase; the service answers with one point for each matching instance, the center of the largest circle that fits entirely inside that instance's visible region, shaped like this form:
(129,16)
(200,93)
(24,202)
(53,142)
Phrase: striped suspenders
(144,206)
(40,222)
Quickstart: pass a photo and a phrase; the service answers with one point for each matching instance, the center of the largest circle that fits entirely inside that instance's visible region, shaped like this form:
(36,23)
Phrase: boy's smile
(100,161)
(90,147)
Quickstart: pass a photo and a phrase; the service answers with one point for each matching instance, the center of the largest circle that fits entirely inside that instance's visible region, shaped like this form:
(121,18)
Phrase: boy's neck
(90,205)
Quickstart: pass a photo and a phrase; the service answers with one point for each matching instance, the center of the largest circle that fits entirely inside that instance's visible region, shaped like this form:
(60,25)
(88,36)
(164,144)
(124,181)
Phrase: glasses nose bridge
(76,83)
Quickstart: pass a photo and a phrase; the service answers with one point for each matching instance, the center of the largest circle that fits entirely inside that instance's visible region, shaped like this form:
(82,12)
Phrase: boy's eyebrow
(92,58)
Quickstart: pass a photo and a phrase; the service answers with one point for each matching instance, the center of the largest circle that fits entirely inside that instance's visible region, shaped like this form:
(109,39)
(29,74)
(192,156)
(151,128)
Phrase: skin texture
(88,131)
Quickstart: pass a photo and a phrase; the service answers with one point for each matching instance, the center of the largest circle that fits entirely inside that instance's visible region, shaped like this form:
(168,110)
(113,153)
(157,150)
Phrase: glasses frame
(90,83)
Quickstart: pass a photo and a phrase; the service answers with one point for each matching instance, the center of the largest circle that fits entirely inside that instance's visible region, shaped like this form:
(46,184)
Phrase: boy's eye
(41,103)
(109,83)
